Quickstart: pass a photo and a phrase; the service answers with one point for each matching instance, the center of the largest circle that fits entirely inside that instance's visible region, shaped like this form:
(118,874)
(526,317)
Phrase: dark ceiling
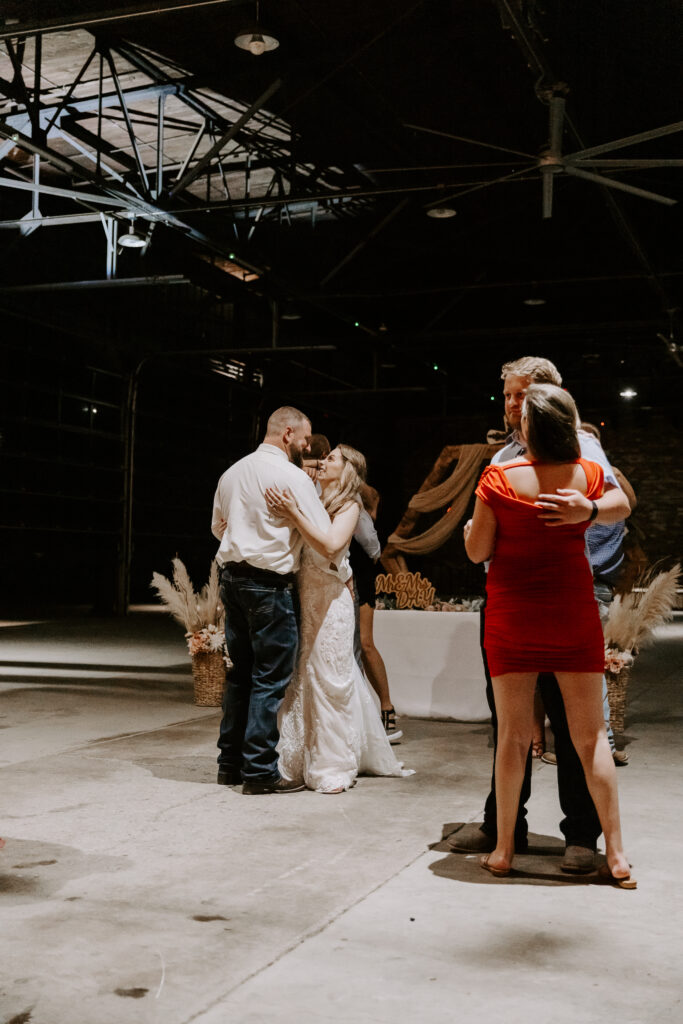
(381,98)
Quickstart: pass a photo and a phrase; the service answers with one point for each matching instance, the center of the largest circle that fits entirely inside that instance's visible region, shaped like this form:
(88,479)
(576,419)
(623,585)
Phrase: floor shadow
(32,871)
(539,866)
(181,769)
(29,688)
(180,668)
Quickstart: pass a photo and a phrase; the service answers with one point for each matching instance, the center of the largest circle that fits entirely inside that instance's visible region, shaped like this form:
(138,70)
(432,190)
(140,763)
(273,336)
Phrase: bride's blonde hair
(353,474)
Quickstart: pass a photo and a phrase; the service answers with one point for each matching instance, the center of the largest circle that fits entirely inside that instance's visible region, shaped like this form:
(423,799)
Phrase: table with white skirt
(434,664)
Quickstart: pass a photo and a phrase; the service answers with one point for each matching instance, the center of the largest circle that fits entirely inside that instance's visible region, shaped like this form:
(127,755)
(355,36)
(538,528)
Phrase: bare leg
(373,663)
(582,695)
(514,697)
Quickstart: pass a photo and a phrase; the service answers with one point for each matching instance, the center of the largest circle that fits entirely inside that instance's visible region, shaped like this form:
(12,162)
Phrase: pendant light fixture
(255,39)
(132,240)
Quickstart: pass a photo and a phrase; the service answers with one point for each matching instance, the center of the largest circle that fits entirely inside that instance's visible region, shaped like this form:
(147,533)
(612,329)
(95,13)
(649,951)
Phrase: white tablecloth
(434,664)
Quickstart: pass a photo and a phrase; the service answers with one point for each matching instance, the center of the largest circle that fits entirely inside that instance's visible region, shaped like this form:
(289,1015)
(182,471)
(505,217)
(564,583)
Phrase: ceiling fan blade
(612,183)
(474,142)
(556,126)
(630,140)
(615,163)
(485,184)
(437,167)
(547,180)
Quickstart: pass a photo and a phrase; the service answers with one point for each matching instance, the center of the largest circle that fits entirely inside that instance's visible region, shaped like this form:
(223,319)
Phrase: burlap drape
(455,491)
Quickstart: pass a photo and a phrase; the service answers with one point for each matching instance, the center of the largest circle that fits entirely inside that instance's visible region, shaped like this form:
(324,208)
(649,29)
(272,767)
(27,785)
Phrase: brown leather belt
(244,570)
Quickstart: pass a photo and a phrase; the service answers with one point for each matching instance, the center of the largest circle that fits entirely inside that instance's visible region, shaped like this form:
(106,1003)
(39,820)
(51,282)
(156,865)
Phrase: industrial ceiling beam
(56,220)
(66,193)
(114,282)
(368,238)
(70,21)
(193,172)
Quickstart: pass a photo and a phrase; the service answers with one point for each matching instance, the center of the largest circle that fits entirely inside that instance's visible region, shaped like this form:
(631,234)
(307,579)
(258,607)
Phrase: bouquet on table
(202,617)
(630,626)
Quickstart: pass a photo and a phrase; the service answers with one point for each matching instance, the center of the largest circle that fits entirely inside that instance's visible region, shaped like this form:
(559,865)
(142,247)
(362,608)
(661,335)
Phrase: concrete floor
(133,889)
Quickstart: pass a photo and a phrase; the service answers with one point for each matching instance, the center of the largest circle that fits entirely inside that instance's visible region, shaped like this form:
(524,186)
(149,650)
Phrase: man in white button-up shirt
(258,558)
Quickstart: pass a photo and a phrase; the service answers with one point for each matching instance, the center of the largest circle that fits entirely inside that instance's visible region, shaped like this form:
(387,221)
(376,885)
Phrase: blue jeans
(604,596)
(262,637)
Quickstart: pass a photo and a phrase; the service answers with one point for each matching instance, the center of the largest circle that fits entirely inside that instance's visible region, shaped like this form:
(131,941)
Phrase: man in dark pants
(580,826)
(258,558)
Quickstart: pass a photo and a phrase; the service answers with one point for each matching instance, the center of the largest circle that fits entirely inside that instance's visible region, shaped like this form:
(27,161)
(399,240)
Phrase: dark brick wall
(650,453)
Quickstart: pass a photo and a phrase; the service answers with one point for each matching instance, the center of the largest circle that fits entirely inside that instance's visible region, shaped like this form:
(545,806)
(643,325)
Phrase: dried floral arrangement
(633,617)
(200,614)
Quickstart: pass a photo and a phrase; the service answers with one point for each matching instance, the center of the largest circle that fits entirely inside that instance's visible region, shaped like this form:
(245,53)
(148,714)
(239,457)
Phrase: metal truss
(133,136)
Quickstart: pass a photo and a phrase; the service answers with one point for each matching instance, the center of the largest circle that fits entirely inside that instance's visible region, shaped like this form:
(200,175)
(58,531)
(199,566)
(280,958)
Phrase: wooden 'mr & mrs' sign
(412,591)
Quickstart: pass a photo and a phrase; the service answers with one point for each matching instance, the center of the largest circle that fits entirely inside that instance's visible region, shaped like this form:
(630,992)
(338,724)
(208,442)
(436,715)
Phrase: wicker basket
(616,695)
(208,672)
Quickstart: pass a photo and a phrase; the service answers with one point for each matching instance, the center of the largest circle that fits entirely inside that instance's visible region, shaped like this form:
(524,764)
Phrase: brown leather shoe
(620,758)
(578,860)
(280,786)
(471,839)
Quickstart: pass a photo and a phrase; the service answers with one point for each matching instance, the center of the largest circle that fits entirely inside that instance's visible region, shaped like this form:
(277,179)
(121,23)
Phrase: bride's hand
(280,503)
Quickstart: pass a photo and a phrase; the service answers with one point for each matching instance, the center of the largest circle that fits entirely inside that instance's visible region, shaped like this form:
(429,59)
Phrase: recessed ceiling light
(441,212)
(534,301)
(628,393)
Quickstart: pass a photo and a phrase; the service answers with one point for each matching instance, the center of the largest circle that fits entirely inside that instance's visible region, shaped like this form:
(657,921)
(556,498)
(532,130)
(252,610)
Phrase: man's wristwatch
(594,512)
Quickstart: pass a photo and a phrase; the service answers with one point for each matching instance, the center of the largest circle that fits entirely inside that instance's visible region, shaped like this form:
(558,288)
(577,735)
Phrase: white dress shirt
(253,534)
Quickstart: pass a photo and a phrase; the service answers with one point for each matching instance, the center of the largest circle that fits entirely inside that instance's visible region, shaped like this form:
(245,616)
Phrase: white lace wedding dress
(330,727)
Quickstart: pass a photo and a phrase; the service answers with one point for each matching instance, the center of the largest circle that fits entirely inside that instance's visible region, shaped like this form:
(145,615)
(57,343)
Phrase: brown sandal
(605,875)
(498,872)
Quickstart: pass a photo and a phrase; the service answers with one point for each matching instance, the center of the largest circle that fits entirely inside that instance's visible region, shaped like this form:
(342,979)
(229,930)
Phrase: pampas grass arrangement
(633,617)
(201,615)
(630,626)
(193,611)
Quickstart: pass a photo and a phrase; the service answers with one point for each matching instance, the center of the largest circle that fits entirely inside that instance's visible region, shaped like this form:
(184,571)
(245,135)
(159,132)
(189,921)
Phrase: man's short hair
(320,447)
(590,428)
(285,416)
(539,370)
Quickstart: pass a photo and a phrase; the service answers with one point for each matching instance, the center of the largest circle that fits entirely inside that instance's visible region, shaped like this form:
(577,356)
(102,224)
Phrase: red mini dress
(541,612)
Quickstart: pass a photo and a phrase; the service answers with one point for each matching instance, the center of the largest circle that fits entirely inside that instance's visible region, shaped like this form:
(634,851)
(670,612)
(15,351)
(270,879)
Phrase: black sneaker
(389,723)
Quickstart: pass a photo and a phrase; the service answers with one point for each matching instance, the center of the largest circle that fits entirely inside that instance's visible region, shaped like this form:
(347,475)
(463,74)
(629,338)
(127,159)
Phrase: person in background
(363,554)
(318,449)
(607,555)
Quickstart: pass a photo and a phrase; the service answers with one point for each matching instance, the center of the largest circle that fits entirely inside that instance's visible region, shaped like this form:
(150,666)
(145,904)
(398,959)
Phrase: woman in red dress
(541,614)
